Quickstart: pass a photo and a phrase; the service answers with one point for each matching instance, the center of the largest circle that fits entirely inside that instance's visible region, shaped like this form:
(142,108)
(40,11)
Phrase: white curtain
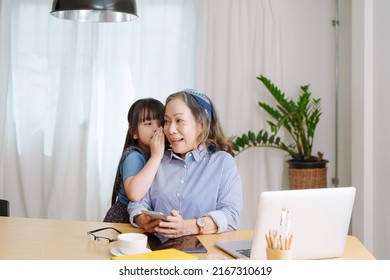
(4,74)
(66,88)
(236,42)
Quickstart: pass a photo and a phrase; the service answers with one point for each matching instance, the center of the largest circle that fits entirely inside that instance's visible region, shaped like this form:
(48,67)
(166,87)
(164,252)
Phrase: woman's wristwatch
(200,222)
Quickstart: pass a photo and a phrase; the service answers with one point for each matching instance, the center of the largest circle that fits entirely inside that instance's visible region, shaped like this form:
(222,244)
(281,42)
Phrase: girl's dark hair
(142,110)
(212,134)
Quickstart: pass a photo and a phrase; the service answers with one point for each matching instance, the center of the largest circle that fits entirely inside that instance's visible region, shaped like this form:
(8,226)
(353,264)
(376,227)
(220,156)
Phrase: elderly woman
(197,184)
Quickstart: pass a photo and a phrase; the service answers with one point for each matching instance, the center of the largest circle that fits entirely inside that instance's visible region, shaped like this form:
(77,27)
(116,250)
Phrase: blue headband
(202,100)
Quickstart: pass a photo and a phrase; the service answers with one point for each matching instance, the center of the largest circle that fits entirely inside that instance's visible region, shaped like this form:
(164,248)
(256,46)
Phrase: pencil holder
(274,254)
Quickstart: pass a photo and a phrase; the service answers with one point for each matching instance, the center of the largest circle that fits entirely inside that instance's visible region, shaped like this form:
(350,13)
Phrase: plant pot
(307,174)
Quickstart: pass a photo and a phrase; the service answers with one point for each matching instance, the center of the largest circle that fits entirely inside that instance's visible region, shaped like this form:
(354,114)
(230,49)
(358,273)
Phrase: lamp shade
(95,10)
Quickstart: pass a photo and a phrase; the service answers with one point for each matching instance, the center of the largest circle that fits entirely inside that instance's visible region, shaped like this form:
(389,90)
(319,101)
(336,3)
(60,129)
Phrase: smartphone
(154,215)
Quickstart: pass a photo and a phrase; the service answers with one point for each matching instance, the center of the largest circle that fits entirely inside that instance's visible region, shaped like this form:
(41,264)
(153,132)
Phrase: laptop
(319,223)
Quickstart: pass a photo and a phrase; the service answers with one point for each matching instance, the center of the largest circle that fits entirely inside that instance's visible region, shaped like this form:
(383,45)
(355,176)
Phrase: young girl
(142,153)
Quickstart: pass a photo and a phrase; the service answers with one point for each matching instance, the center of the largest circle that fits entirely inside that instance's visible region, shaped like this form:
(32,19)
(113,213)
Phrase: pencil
(268,241)
(281,243)
(271,241)
(289,241)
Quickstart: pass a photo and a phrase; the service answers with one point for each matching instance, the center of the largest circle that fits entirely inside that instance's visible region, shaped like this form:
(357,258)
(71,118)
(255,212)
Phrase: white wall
(363,151)
(370,152)
(381,133)
(362,113)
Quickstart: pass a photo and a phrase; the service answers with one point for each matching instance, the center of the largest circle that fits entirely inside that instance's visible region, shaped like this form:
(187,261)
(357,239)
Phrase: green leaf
(259,136)
(265,137)
(252,137)
(245,139)
(239,142)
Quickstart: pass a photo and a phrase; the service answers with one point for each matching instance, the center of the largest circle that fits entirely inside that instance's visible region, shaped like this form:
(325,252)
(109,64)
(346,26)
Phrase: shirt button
(182,181)
(178,194)
(185,166)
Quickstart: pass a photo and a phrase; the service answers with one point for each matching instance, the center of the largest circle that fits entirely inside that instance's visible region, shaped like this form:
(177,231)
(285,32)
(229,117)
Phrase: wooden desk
(42,239)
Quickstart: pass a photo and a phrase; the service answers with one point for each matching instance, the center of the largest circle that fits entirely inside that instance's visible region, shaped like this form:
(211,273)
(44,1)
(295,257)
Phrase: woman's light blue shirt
(202,184)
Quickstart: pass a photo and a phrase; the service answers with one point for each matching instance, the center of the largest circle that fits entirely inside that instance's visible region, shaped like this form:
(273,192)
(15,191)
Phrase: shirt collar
(197,154)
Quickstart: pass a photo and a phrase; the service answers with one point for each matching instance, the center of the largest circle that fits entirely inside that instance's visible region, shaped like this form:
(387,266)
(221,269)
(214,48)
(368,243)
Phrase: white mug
(132,243)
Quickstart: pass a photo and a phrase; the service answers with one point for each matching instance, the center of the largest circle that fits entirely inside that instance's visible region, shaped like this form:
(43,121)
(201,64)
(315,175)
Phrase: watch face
(200,222)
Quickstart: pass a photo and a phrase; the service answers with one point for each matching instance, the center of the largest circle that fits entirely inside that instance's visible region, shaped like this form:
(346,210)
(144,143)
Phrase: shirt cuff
(133,215)
(219,219)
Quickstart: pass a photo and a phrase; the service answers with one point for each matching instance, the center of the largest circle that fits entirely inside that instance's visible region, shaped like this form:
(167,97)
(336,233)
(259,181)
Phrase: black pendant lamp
(95,10)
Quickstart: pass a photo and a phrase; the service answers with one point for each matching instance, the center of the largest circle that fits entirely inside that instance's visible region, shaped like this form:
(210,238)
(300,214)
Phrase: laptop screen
(319,220)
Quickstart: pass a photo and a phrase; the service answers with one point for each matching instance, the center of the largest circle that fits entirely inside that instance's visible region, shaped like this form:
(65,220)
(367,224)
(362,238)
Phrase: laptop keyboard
(245,252)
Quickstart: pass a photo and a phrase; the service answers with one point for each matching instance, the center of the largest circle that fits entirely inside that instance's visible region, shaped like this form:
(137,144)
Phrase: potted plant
(299,118)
